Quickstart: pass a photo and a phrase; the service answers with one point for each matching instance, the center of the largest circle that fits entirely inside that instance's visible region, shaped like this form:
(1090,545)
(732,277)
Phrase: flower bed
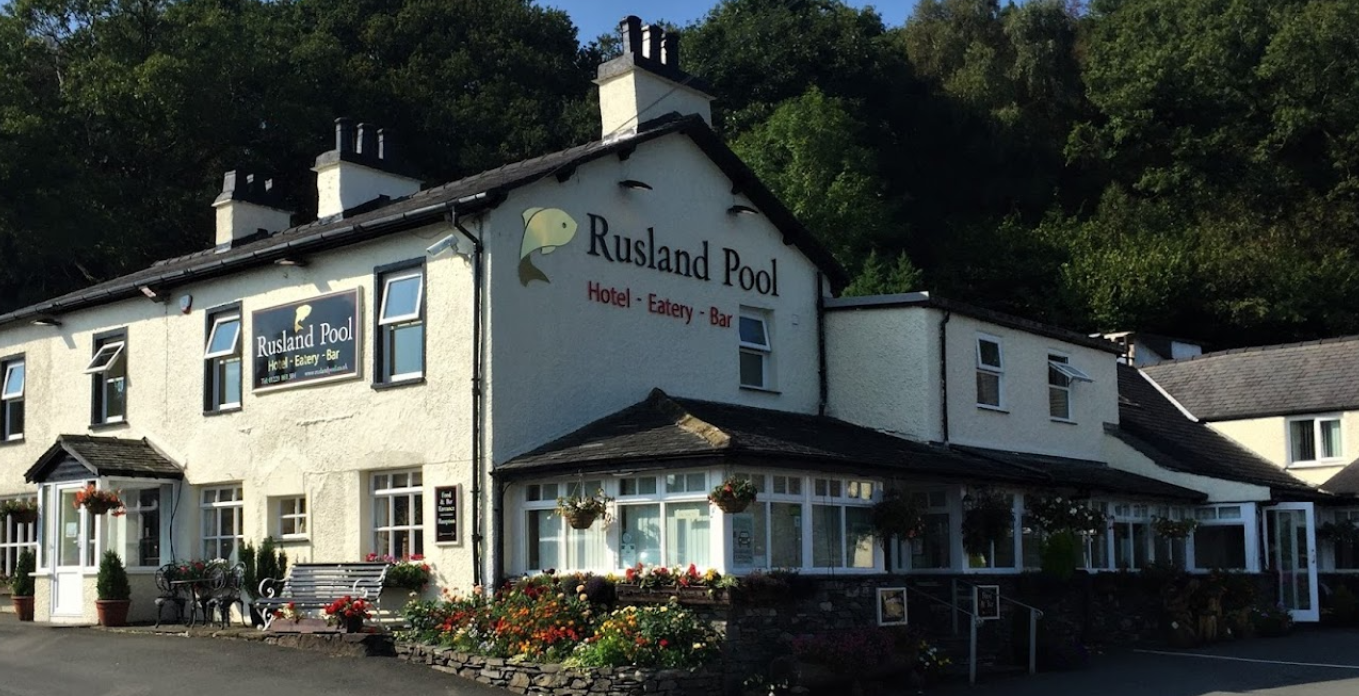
(563,619)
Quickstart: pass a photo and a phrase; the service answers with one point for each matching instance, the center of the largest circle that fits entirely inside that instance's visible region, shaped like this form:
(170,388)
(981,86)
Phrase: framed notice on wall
(891,606)
(986,599)
(446,514)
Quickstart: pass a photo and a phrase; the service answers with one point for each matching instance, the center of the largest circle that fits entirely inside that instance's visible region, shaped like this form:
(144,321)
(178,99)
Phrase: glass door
(1290,553)
(73,538)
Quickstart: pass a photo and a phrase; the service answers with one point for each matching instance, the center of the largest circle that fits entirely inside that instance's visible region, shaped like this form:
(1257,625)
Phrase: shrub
(1060,555)
(1344,606)
(267,561)
(667,636)
(1272,621)
(21,584)
(112,583)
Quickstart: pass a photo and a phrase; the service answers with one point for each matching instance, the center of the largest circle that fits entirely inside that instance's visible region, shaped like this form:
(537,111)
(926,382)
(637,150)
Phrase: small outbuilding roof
(1277,380)
(1346,481)
(105,456)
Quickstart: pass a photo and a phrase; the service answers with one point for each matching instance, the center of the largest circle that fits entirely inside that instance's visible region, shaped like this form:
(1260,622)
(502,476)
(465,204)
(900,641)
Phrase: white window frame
(389,324)
(14,538)
(764,350)
(1210,516)
(1316,420)
(1056,363)
(997,370)
(11,399)
(380,485)
(212,514)
(296,509)
(110,353)
(216,359)
(396,277)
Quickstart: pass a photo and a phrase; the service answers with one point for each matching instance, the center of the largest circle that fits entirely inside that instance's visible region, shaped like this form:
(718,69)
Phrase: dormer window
(990,372)
(1313,439)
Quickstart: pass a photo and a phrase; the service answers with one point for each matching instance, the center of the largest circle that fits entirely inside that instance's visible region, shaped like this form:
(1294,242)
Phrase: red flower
(665,643)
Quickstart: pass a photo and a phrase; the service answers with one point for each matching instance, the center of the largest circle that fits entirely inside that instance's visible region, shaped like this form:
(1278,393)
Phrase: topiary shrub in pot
(267,562)
(21,584)
(114,591)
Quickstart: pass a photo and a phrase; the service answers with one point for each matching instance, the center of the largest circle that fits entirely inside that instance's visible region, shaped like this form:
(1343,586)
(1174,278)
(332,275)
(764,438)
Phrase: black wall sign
(987,602)
(445,514)
(308,341)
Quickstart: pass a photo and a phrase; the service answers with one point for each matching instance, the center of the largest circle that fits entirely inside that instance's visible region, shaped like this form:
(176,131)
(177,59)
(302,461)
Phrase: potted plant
(265,562)
(733,495)
(21,510)
(411,575)
(98,501)
(21,584)
(348,613)
(114,592)
(988,517)
(581,511)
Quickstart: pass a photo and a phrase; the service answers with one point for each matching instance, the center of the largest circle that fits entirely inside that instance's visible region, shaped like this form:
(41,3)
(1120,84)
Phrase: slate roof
(431,205)
(1150,423)
(665,431)
(1089,475)
(1345,481)
(106,456)
(1266,381)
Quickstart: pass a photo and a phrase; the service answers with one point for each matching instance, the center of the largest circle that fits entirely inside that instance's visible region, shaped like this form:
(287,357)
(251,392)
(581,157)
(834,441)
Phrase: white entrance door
(73,542)
(1291,555)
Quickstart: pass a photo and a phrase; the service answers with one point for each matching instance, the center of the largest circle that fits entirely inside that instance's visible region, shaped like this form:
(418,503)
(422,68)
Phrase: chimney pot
(631,26)
(368,140)
(344,134)
(651,37)
(229,182)
(670,50)
(387,150)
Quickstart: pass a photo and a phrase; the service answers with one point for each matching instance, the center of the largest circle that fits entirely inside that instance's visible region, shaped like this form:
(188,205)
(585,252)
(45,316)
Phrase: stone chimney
(646,82)
(248,206)
(364,166)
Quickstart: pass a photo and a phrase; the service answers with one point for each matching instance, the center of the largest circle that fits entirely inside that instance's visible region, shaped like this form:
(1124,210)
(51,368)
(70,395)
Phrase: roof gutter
(212,267)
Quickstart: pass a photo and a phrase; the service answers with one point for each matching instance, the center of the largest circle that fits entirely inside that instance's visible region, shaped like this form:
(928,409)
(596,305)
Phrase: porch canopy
(76,457)
(664,432)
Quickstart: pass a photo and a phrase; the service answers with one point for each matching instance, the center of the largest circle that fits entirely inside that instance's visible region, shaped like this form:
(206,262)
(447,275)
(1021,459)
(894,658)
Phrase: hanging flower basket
(1174,529)
(98,502)
(896,515)
(581,511)
(988,518)
(733,495)
(579,519)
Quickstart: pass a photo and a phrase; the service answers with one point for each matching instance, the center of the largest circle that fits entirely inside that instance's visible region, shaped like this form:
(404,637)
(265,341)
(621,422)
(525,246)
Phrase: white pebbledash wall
(321,441)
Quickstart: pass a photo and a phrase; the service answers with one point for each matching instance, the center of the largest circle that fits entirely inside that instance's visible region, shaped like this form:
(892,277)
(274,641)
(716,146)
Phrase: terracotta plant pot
(112,612)
(23,606)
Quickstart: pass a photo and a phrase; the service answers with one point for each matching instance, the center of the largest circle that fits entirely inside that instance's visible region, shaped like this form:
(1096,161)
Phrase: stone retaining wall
(555,680)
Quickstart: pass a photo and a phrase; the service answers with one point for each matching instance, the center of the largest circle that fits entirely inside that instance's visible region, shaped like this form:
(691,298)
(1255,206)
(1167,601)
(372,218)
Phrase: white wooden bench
(314,586)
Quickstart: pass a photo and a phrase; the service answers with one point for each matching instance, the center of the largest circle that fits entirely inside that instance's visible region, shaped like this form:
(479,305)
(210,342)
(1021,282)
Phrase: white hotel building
(425,371)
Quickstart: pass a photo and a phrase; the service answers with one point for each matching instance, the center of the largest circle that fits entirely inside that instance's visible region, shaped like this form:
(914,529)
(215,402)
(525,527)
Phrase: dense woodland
(1189,167)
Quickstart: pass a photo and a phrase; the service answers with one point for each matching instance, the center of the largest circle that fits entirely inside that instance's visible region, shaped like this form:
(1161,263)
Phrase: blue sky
(595,17)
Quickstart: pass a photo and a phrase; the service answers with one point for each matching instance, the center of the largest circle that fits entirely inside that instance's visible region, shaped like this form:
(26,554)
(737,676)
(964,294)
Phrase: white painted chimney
(646,82)
(364,166)
(246,207)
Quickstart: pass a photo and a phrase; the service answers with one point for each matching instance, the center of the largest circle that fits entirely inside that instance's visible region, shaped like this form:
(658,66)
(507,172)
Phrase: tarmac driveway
(46,661)
(1309,663)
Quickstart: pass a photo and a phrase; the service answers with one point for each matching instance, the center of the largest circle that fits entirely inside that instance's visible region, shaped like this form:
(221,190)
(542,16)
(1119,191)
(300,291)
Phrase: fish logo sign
(545,229)
(300,316)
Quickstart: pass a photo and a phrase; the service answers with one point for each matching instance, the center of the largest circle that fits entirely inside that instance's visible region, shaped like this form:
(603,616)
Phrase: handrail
(1034,614)
(972,633)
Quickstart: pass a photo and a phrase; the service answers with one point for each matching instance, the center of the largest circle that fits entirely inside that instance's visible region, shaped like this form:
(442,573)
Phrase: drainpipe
(821,345)
(943,372)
